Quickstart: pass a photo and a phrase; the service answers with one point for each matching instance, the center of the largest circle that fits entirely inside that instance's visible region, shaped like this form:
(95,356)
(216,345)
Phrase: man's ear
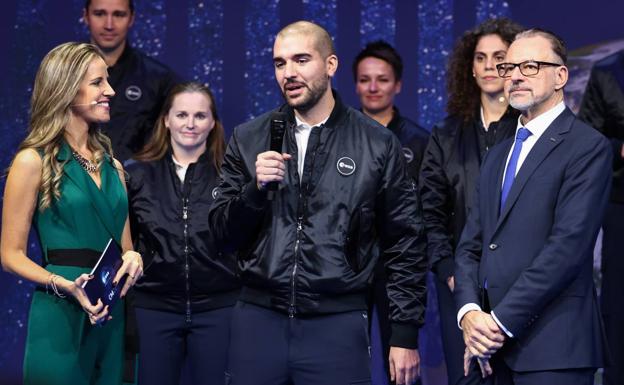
(331,64)
(561,77)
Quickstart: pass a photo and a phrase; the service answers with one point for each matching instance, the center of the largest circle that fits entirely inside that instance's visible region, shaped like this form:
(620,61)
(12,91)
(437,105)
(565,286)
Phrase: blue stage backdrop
(228,44)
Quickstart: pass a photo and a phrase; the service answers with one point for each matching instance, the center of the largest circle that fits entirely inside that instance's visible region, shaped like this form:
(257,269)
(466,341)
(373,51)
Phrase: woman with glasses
(479,117)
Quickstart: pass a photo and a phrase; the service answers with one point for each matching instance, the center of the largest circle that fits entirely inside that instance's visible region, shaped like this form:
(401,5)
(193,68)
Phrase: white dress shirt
(537,127)
(302,134)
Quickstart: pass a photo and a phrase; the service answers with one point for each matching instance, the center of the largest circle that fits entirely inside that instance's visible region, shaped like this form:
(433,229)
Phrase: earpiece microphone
(93,103)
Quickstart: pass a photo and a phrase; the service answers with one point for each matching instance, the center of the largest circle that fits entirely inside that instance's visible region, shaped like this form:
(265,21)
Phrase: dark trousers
(168,342)
(452,339)
(269,348)
(503,375)
(612,291)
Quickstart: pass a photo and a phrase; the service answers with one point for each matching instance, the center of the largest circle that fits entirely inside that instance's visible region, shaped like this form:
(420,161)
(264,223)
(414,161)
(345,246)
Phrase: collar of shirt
(482,116)
(537,127)
(179,168)
(302,134)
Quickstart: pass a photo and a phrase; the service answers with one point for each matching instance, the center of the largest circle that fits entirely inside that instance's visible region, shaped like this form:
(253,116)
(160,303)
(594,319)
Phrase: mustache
(518,88)
(294,82)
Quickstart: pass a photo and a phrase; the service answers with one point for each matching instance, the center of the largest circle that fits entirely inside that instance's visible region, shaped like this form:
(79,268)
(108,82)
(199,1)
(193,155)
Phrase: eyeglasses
(527,68)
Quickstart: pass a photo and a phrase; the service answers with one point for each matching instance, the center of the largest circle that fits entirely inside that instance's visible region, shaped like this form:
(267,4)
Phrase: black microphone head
(278,128)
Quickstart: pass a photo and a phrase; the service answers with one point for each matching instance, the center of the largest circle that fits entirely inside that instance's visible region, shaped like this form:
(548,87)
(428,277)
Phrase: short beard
(316,92)
(522,106)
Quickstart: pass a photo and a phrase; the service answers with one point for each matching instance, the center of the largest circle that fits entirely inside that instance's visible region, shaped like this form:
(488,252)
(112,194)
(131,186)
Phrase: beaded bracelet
(52,283)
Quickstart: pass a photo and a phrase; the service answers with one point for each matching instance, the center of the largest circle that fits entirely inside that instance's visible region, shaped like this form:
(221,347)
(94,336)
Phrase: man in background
(140,82)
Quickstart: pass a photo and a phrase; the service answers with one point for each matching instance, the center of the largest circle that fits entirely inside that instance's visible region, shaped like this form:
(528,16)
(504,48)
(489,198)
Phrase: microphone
(278,128)
(93,103)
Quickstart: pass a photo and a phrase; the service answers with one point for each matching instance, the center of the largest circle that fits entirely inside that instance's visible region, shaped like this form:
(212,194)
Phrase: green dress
(62,347)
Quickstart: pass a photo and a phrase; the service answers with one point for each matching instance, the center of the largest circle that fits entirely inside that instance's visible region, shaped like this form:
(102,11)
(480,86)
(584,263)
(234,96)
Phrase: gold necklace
(85,163)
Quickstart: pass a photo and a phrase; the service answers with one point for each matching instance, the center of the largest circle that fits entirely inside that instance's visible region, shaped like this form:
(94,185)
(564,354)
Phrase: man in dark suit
(524,287)
(603,109)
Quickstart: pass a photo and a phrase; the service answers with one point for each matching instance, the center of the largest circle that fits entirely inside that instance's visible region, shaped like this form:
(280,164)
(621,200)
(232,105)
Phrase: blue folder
(104,271)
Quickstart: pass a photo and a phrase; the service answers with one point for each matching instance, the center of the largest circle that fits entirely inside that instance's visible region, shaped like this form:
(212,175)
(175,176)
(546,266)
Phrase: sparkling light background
(261,26)
(487,9)
(205,23)
(204,42)
(435,27)
(377,21)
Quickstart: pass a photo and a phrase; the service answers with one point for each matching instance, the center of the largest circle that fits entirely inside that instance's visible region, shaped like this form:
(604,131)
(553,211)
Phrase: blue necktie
(510,174)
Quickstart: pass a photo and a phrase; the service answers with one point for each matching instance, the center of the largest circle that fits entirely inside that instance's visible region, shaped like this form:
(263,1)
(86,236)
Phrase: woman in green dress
(65,182)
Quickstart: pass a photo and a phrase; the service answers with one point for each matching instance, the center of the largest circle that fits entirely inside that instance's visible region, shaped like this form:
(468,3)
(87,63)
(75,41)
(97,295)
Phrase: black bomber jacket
(312,249)
(184,271)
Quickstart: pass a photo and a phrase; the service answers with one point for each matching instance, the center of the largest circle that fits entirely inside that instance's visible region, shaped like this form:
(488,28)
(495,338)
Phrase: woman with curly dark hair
(479,117)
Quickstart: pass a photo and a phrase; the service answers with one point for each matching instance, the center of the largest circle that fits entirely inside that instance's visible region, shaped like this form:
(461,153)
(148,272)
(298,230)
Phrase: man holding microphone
(307,249)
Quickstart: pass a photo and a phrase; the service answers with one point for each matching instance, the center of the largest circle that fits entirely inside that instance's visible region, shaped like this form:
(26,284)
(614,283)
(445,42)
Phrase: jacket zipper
(187,269)
(292,308)
(301,209)
(293,278)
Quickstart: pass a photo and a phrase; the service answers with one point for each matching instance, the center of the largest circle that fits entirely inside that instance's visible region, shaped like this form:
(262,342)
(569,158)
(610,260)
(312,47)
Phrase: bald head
(322,41)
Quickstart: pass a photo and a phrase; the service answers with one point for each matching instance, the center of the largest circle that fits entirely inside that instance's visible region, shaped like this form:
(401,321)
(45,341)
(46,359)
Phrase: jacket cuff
(255,198)
(404,335)
(444,269)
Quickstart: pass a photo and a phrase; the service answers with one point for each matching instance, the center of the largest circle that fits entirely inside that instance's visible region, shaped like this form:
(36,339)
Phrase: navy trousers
(168,343)
(503,375)
(269,348)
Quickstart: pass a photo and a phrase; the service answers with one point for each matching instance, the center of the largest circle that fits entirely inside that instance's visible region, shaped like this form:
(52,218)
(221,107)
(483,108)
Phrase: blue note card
(104,271)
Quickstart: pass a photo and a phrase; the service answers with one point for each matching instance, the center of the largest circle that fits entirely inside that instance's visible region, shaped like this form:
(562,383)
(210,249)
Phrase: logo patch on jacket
(133,93)
(215,192)
(345,166)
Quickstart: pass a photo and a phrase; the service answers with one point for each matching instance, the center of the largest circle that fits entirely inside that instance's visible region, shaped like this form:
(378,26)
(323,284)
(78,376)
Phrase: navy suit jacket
(536,252)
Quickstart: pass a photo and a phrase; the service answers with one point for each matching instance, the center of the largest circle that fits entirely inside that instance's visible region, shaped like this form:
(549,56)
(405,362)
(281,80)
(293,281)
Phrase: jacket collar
(337,114)
(203,159)
(395,125)
(554,135)
(124,57)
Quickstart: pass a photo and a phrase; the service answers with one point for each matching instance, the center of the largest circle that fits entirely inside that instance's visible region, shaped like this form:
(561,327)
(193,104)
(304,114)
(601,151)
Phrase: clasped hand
(132,265)
(483,337)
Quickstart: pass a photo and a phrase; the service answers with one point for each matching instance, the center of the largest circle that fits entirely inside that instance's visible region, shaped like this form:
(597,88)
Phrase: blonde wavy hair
(56,86)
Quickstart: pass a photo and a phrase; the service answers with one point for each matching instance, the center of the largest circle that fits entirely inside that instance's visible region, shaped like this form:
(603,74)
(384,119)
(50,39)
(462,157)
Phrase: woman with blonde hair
(65,182)
(184,301)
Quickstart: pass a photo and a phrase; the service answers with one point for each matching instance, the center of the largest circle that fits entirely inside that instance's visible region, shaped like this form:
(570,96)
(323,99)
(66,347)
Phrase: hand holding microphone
(270,166)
